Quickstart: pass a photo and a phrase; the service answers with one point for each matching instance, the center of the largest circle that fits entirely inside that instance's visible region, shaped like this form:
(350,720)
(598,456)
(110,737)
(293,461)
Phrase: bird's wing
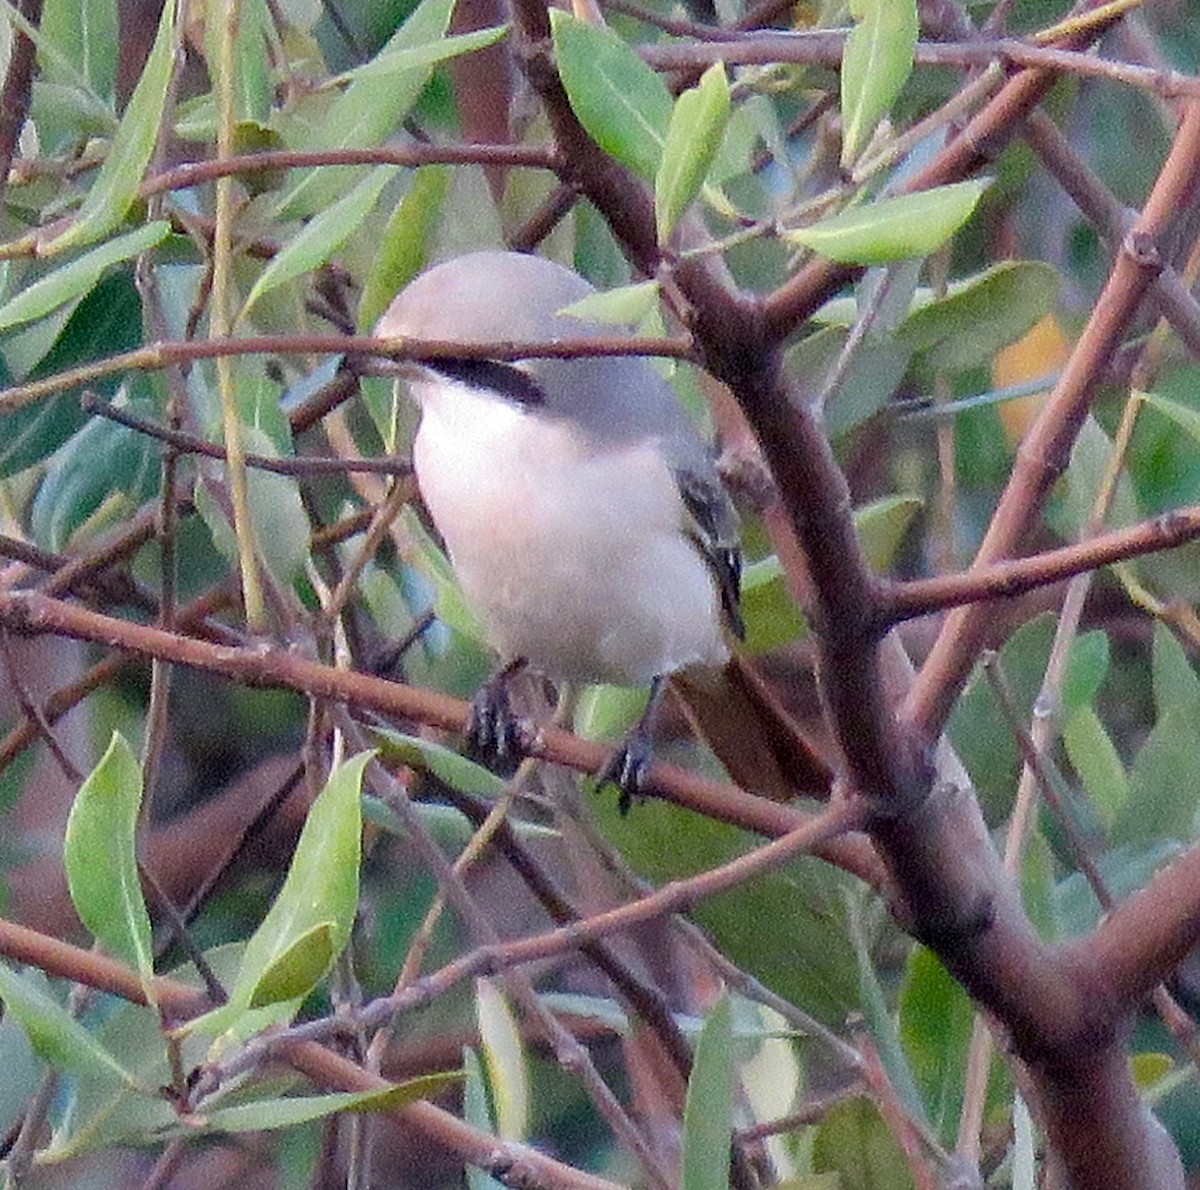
(715,530)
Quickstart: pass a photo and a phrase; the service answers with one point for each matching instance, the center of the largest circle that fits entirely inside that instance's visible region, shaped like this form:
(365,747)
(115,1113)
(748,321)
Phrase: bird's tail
(759,744)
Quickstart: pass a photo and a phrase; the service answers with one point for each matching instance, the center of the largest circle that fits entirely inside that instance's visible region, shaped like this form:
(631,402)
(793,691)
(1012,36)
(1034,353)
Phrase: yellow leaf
(1043,350)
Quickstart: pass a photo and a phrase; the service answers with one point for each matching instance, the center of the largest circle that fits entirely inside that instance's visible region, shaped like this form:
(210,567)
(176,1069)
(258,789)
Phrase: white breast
(571,558)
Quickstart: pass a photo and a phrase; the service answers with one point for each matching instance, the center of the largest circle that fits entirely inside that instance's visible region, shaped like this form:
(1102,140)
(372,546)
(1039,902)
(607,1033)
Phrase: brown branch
(191,444)
(35,614)
(161,355)
(18,88)
(1045,450)
(1006,580)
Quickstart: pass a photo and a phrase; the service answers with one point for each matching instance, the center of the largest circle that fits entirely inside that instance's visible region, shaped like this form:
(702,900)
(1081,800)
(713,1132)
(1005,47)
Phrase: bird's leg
(494,733)
(629,765)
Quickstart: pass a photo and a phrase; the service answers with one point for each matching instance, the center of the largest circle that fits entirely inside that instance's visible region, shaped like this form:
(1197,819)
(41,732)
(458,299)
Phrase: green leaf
(626,305)
(1095,759)
(1174,680)
(100,857)
(55,1035)
(319,894)
(768,609)
(694,134)
(101,461)
(477,1113)
(708,1109)
(936,1018)
(457,771)
(623,105)
(23,1071)
(421,57)
(892,228)
(1161,802)
(607,712)
(1124,870)
(106,321)
(981,314)
(322,236)
(504,1052)
(75,279)
(435,568)
(116,186)
(85,34)
(365,114)
(406,243)
(882,525)
(268,1114)
(252,87)
(1087,668)
(876,63)
(1186,418)
(856,1143)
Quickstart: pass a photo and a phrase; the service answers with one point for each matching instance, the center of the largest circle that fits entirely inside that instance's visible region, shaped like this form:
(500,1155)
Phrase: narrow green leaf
(407,240)
(1185,417)
(322,236)
(421,57)
(694,134)
(892,228)
(876,63)
(770,613)
(54,1034)
(623,104)
(85,34)
(504,1053)
(116,186)
(293,973)
(252,71)
(626,305)
(75,279)
(708,1109)
(855,1142)
(936,1019)
(1095,758)
(435,568)
(1174,680)
(980,314)
(319,893)
(365,114)
(267,1114)
(457,771)
(100,856)
(1161,802)
(478,1114)
(608,712)
(881,527)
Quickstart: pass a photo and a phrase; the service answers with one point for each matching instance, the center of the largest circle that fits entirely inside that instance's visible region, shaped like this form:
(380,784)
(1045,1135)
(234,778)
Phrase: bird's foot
(628,768)
(495,734)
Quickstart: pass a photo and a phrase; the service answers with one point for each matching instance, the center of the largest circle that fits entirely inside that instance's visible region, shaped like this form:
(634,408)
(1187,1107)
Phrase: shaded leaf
(769,612)
(322,236)
(854,1142)
(75,279)
(401,61)
(1174,680)
(100,857)
(55,1035)
(319,894)
(694,134)
(1125,870)
(936,1018)
(606,713)
(1095,759)
(624,106)
(882,526)
(876,62)
(365,114)
(892,228)
(113,192)
(84,33)
(447,765)
(435,568)
(504,1052)
(477,1113)
(1162,802)
(267,1114)
(708,1109)
(404,249)
(626,305)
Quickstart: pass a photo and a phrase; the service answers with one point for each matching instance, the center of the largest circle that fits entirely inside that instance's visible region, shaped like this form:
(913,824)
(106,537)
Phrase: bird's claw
(628,768)
(495,735)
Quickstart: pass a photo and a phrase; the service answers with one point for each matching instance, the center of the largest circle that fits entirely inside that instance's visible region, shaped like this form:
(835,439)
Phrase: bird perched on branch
(583,514)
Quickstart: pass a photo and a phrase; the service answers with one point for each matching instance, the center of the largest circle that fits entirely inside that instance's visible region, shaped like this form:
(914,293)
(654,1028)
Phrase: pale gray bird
(581,511)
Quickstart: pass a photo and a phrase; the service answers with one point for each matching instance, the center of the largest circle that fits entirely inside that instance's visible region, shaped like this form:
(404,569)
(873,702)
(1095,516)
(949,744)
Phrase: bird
(582,512)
